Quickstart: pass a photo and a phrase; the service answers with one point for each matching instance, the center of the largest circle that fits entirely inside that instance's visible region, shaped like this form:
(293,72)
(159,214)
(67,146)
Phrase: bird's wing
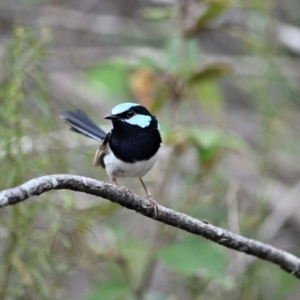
(102,152)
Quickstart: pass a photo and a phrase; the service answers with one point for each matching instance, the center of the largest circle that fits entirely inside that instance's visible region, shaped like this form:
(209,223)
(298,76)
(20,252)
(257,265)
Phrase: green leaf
(210,138)
(208,72)
(208,156)
(110,290)
(195,256)
(209,142)
(214,9)
(206,138)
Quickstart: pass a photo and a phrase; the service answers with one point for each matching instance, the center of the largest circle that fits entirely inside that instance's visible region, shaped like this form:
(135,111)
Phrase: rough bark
(126,198)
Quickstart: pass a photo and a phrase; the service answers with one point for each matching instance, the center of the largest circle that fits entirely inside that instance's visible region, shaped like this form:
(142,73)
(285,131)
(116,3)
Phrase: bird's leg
(149,197)
(114,181)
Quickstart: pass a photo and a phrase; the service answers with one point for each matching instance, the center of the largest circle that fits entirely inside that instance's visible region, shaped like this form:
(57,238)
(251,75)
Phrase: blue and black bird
(130,149)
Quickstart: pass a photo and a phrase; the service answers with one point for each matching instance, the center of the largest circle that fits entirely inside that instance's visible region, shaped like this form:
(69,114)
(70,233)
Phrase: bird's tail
(79,122)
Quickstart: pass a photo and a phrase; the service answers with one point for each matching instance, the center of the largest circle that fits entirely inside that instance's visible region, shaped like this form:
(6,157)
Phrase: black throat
(131,143)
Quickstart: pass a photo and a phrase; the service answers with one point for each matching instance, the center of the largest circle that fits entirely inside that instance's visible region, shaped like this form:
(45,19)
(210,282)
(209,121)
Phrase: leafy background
(222,78)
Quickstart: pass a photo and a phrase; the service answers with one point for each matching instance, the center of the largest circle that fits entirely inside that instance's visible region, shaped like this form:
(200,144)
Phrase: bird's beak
(111,117)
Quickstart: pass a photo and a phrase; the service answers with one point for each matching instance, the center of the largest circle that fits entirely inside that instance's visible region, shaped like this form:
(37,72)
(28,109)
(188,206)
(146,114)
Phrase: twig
(125,198)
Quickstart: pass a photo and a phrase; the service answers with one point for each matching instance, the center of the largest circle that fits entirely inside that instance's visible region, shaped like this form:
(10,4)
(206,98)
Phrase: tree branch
(126,198)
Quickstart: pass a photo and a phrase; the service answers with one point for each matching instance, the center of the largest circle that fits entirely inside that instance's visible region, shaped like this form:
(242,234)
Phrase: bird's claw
(154,204)
(127,190)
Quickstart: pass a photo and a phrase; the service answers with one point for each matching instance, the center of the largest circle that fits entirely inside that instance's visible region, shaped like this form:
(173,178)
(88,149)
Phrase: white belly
(116,168)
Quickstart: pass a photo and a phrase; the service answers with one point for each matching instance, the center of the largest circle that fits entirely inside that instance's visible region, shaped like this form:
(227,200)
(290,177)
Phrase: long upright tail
(79,122)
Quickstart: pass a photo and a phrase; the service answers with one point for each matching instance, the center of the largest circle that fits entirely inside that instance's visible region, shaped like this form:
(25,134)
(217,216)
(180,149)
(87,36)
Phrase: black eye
(129,114)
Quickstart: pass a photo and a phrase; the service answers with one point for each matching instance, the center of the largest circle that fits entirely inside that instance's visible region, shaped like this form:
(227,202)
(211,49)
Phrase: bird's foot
(153,203)
(126,189)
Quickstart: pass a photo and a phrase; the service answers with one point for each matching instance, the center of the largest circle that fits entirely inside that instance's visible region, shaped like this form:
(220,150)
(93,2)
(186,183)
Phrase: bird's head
(133,114)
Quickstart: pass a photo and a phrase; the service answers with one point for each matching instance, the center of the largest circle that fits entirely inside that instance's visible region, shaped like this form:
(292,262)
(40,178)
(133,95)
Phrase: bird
(130,149)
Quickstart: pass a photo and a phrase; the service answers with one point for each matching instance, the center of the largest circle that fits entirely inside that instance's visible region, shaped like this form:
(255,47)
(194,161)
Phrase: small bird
(130,149)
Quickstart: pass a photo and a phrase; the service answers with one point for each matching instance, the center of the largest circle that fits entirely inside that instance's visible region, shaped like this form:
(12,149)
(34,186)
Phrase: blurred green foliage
(27,266)
(192,256)
(109,78)
(47,240)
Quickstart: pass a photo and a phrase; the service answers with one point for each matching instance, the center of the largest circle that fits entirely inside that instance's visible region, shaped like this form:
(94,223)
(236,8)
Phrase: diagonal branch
(126,198)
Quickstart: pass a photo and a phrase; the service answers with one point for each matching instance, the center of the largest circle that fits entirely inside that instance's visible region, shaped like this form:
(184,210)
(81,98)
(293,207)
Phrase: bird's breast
(116,168)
